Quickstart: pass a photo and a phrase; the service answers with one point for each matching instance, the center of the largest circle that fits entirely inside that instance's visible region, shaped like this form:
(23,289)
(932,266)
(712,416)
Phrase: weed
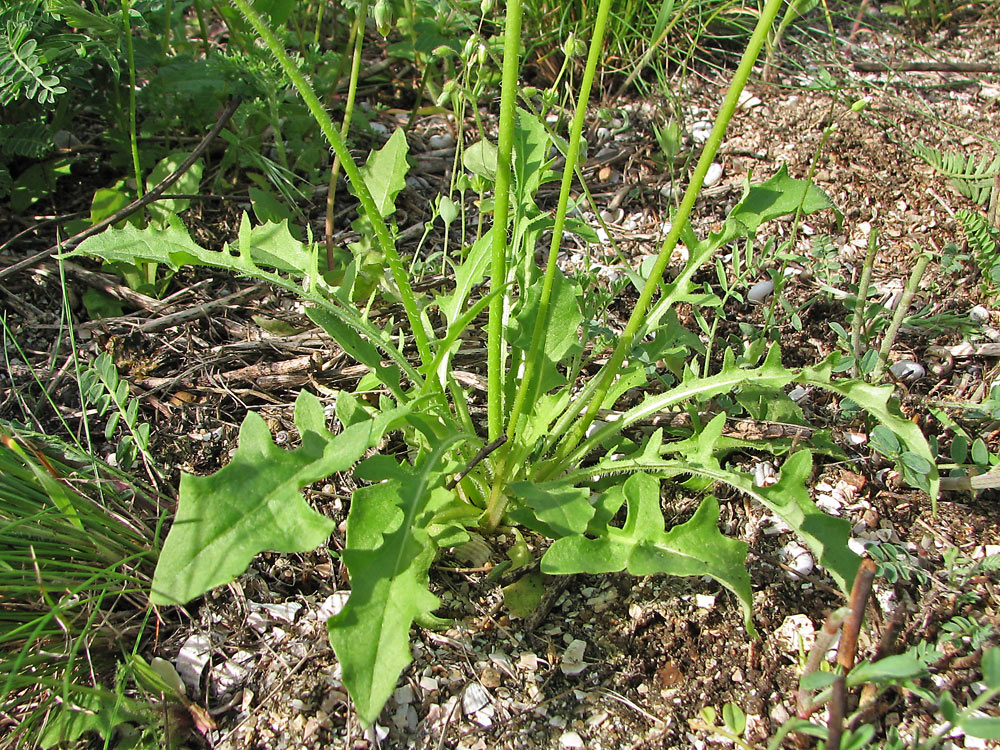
(539,463)
(76,536)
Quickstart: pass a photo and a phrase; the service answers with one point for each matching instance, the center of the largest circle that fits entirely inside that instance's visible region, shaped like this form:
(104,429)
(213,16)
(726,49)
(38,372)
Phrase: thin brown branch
(930,66)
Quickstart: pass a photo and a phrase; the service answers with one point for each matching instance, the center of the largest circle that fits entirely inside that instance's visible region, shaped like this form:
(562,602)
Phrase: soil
(656,651)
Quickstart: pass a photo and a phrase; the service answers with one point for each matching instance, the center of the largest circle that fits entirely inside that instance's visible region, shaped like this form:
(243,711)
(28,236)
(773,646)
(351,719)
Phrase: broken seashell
(760,291)
(907,370)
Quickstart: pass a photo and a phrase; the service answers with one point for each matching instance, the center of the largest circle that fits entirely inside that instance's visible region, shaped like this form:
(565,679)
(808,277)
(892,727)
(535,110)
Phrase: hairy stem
(322,117)
(900,312)
(498,262)
(859,307)
(653,283)
(357,37)
(130,55)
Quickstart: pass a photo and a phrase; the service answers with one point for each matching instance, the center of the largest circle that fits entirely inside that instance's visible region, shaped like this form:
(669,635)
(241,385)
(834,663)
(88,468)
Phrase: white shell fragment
(612,215)
(797,633)
(572,658)
(907,370)
(700,131)
(798,558)
(191,660)
(760,291)
(979,314)
(570,739)
(748,100)
(713,175)
(441,140)
(798,394)
(764,474)
(475,698)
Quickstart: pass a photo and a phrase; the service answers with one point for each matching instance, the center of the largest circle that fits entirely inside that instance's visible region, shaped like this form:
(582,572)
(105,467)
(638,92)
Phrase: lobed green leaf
(642,547)
(254,503)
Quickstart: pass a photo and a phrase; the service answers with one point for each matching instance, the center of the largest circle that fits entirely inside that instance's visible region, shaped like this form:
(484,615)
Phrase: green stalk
(729,104)
(528,386)
(498,263)
(353,174)
(897,318)
(859,307)
(202,28)
(168,11)
(319,21)
(358,37)
(130,54)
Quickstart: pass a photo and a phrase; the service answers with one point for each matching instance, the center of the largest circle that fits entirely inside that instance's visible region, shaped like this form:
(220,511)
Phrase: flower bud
(485,6)
(383,17)
(569,46)
(447,91)
(529,91)
(469,48)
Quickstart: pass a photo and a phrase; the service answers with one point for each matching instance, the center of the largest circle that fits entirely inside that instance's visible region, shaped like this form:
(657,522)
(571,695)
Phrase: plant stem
(498,262)
(610,371)
(202,28)
(358,36)
(900,312)
(859,307)
(528,384)
(353,174)
(130,54)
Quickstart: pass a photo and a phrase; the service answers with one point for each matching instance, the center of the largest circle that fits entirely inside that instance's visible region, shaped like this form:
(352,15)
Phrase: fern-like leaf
(984,244)
(971,177)
(31,139)
(21,72)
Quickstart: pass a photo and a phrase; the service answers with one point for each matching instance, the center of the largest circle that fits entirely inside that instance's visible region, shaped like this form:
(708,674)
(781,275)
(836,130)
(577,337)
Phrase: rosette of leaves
(542,460)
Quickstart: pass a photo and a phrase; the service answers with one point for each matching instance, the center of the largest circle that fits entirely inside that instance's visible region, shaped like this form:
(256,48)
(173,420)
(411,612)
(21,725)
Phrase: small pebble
(760,291)
(571,740)
(441,140)
(798,558)
(907,370)
(572,658)
(612,216)
(713,175)
(979,314)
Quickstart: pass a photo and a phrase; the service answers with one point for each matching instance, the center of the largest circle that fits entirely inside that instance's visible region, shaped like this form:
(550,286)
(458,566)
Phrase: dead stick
(860,592)
(926,67)
(135,205)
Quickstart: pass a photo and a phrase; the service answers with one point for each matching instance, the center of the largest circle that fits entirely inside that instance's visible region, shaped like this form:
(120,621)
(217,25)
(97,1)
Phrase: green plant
(902,671)
(963,643)
(972,177)
(542,461)
(927,13)
(78,544)
(103,389)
